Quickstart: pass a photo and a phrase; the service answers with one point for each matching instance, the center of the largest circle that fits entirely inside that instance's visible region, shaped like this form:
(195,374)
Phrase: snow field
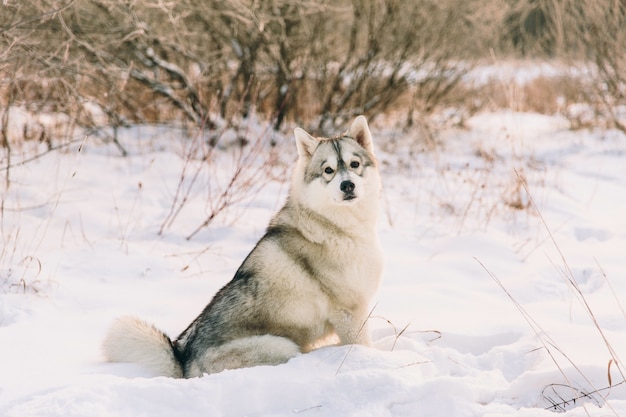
(81,245)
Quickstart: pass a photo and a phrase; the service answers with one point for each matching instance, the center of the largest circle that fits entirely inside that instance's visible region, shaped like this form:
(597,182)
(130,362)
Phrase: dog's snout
(346,186)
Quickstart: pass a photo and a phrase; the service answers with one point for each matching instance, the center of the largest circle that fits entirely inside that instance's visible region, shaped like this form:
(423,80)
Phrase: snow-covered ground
(498,298)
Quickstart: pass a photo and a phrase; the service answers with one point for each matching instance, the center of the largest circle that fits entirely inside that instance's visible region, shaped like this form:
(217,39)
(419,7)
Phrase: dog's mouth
(349,197)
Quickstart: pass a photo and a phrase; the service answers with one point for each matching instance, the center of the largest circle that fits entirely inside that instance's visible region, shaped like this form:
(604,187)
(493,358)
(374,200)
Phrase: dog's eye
(329,170)
(354,164)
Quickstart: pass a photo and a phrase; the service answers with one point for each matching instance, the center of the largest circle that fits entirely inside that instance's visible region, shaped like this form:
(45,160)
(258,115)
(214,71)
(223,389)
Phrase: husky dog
(310,277)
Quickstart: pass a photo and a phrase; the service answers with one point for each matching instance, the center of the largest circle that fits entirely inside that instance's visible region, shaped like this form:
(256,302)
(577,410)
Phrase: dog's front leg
(351,328)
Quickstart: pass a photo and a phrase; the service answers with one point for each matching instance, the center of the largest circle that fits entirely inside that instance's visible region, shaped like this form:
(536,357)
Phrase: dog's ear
(305,143)
(360,131)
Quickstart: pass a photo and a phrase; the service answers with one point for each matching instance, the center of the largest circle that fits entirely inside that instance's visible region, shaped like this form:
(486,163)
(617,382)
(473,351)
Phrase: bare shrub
(223,179)
(195,60)
(601,26)
(545,94)
(586,31)
(411,51)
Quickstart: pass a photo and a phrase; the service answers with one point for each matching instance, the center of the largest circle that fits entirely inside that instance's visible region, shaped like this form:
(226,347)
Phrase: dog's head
(339,171)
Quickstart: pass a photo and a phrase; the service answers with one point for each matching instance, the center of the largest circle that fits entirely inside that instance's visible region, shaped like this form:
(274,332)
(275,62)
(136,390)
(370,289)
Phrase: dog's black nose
(347,186)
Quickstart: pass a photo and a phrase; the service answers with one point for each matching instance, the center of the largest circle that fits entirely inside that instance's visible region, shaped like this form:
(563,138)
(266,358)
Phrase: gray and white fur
(311,277)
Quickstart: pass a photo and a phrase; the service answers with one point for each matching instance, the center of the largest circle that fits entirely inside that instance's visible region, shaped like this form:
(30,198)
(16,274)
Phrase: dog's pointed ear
(360,131)
(305,143)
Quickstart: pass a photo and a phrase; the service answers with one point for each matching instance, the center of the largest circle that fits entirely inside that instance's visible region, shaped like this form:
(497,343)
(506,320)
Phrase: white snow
(81,245)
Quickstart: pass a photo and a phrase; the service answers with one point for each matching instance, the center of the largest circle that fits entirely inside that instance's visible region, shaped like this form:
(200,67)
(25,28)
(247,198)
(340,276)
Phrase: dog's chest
(354,270)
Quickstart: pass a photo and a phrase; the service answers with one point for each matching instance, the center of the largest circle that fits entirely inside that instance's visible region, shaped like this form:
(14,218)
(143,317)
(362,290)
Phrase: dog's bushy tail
(130,339)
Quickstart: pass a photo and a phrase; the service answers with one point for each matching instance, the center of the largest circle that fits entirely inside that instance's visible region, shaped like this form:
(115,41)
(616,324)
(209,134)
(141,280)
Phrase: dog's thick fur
(311,276)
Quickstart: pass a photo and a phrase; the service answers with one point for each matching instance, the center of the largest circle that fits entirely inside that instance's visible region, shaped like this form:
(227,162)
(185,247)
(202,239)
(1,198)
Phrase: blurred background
(105,64)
